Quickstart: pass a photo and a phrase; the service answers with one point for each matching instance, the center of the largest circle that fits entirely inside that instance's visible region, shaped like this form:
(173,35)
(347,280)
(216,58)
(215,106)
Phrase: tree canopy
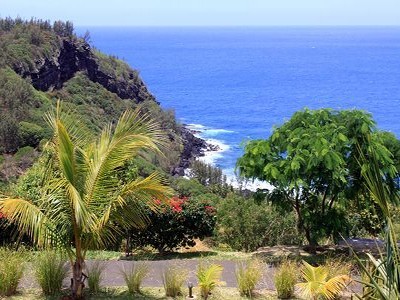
(313,162)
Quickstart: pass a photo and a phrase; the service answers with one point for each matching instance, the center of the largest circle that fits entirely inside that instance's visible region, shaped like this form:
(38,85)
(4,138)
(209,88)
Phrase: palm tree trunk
(77,280)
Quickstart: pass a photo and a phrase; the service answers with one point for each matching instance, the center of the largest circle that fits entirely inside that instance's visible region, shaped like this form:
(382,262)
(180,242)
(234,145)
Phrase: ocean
(236,84)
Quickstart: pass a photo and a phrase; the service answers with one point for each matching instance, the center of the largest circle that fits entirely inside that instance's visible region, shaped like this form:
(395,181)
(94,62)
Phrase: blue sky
(208,12)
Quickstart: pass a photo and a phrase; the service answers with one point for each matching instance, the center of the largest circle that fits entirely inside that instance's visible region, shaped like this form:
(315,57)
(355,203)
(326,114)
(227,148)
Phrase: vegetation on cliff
(42,62)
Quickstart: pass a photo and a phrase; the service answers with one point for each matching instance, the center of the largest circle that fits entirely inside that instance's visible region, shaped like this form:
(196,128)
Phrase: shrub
(24,151)
(285,279)
(188,187)
(338,266)
(244,224)
(95,275)
(248,274)
(176,224)
(134,276)
(30,134)
(51,270)
(11,271)
(173,279)
(208,278)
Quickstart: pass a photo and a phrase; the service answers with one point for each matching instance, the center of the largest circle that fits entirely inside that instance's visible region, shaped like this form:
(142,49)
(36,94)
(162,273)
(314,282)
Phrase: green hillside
(41,63)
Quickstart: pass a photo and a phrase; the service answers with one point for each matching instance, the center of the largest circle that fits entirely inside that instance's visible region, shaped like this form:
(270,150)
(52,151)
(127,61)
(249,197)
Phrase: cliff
(40,63)
(74,56)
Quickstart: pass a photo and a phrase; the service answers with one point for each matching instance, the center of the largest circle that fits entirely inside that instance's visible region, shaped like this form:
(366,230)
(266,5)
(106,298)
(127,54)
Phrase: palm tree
(382,274)
(85,205)
(318,283)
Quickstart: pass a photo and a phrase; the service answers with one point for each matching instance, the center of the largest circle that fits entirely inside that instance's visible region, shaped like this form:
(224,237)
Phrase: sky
(208,12)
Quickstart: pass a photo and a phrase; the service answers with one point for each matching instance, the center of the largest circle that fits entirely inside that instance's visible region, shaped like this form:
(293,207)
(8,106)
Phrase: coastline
(209,150)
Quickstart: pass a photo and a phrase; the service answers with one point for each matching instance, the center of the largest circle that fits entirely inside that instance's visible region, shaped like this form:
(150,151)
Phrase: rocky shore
(193,147)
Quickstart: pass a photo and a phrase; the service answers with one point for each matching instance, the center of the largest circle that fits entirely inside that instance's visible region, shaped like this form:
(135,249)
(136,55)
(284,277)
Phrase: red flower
(176,203)
(157,202)
(209,209)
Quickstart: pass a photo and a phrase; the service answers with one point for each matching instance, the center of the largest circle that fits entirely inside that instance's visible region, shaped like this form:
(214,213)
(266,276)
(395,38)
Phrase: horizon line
(239,26)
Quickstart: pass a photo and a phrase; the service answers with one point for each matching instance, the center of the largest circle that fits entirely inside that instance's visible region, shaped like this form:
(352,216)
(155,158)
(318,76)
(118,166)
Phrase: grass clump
(248,274)
(134,276)
(11,271)
(208,278)
(51,270)
(173,279)
(95,276)
(285,279)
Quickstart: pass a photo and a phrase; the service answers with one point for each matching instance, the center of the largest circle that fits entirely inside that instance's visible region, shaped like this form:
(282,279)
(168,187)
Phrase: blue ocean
(236,84)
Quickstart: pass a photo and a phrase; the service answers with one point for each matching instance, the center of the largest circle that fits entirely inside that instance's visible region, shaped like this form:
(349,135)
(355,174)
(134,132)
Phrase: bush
(134,276)
(188,187)
(248,274)
(244,224)
(11,271)
(23,152)
(51,270)
(285,279)
(176,224)
(95,275)
(173,279)
(30,134)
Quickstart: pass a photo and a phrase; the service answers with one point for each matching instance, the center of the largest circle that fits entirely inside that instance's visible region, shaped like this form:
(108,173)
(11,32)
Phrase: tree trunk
(77,280)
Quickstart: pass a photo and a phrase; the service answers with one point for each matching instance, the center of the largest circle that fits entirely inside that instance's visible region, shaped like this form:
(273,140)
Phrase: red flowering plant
(176,223)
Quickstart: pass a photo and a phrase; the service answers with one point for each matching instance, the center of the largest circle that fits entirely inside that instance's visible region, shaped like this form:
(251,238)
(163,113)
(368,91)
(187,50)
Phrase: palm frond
(113,149)
(334,286)
(208,278)
(384,278)
(318,284)
(29,219)
(127,208)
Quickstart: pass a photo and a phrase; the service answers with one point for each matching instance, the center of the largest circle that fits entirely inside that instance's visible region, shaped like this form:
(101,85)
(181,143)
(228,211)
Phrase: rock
(211,147)
(192,147)
(76,56)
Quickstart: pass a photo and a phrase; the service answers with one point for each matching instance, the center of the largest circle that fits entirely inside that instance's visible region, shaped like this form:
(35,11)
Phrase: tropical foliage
(208,277)
(381,276)
(245,225)
(176,223)
(84,205)
(319,285)
(312,160)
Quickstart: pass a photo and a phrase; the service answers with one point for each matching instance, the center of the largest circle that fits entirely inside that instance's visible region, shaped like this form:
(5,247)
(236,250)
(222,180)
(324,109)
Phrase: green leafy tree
(312,160)
(84,205)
